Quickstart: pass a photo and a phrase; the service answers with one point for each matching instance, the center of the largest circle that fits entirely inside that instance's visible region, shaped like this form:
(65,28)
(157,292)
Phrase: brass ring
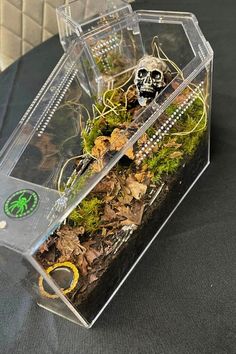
(64,291)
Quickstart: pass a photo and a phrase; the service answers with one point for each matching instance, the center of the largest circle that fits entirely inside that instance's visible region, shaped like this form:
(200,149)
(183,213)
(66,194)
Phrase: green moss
(90,137)
(196,109)
(104,125)
(150,132)
(171,109)
(113,120)
(190,142)
(87,214)
(115,63)
(163,163)
(191,117)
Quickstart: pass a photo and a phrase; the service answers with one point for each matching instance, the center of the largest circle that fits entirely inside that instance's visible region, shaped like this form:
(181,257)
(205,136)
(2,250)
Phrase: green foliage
(196,109)
(109,67)
(189,123)
(151,131)
(114,121)
(96,130)
(171,109)
(115,63)
(192,125)
(190,142)
(80,182)
(104,125)
(163,162)
(87,214)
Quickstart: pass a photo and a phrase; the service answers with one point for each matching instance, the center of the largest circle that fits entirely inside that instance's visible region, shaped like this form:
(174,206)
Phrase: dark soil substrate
(98,293)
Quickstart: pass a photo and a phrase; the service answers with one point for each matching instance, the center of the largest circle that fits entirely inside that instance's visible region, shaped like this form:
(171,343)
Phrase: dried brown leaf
(68,243)
(173,143)
(143,177)
(98,165)
(137,189)
(92,278)
(82,264)
(133,215)
(91,254)
(109,214)
(118,139)
(43,248)
(101,145)
(105,186)
(176,154)
(125,198)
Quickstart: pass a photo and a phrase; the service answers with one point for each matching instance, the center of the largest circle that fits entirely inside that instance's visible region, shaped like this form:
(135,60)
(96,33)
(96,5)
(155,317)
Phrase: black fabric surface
(181,297)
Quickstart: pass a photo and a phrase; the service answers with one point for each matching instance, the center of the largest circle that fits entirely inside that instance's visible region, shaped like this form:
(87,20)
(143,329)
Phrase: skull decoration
(152,75)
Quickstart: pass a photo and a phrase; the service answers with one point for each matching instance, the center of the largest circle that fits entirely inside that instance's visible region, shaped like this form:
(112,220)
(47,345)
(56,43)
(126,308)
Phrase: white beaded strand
(164,129)
(45,123)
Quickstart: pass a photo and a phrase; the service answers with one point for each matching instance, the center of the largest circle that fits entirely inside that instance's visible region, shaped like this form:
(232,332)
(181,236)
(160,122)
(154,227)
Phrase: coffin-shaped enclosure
(89,177)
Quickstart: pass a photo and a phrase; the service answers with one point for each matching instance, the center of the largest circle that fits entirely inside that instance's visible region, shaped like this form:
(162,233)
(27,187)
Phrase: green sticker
(21,203)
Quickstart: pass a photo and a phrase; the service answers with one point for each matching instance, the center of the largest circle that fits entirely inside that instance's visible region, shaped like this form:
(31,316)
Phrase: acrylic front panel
(22,277)
(108,232)
(96,168)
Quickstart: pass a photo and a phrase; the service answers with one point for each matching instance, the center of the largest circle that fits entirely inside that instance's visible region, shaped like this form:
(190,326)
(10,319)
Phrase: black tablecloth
(181,298)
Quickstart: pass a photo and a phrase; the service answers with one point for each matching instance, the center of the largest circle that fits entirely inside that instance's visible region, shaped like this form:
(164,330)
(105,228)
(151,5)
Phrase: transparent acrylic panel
(116,50)
(21,277)
(82,16)
(112,40)
(57,138)
(114,46)
(133,201)
(171,37)
(39,149)
(34,283)
(106,172)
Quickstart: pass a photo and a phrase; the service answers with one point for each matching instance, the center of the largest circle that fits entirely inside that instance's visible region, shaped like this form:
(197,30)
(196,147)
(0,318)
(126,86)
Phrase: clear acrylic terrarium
(89,177)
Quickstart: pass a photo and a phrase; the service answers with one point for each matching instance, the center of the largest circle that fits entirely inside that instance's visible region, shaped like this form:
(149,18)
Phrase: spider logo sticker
(21,203)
